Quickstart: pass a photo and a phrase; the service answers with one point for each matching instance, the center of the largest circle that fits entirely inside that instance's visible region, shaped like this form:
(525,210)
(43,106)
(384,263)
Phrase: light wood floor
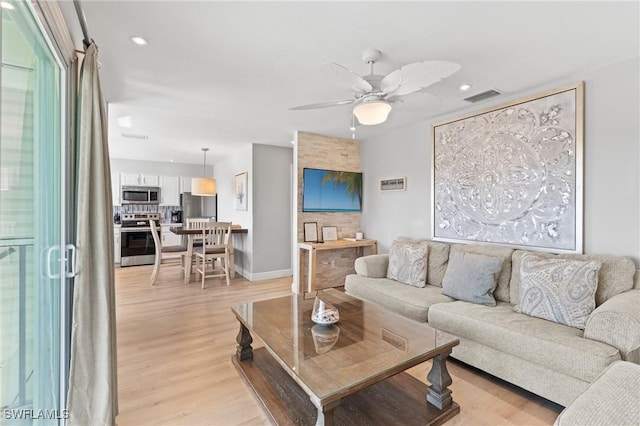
(175,343)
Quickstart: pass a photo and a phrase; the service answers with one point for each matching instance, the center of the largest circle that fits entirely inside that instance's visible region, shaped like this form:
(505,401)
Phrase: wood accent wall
(325,152)
(331,153)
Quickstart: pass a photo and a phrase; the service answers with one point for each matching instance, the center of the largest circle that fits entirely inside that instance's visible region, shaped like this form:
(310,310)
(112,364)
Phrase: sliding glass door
(32,250)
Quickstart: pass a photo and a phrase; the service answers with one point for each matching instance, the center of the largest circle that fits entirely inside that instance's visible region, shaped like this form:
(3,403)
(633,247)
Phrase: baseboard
(259,276)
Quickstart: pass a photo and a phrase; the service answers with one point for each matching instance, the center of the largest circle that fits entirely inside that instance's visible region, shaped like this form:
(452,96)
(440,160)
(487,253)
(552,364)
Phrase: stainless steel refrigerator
(196,206)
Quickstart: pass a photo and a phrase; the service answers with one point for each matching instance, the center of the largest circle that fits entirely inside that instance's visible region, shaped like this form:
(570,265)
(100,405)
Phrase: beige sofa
(555,361)
(612,400)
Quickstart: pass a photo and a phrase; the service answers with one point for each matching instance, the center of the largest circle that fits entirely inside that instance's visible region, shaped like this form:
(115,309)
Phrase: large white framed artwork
(512,174)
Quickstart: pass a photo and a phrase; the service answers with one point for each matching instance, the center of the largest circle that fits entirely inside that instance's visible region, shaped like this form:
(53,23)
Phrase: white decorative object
(324,313)
(512,174)
(359,236)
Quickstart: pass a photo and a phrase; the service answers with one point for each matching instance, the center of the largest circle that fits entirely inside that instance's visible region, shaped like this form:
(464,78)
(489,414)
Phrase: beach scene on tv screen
(331,191)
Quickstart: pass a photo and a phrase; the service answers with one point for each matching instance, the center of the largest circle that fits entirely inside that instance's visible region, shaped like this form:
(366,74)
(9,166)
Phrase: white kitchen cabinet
(115,189)
(146,180)
(169,191)
(129,179)
(168,238)
(185,184)
(137,179)
(116,244)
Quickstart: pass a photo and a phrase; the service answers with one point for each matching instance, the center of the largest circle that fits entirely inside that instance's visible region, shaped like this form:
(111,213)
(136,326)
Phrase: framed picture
(240,182)
(311,232)
(395,184)
(329,233)
(512,174)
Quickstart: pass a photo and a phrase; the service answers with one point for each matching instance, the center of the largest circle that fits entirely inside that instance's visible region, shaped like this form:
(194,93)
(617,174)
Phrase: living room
(175,340)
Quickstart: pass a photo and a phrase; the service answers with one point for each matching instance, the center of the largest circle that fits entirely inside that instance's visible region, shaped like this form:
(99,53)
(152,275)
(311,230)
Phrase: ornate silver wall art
(512,174)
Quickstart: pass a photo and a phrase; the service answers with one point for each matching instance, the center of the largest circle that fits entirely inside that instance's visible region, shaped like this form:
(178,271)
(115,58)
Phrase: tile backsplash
(165,211)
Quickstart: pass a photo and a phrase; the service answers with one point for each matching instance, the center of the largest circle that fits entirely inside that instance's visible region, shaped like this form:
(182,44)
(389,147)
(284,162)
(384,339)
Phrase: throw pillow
(408,263)
(472,277)
(558,290)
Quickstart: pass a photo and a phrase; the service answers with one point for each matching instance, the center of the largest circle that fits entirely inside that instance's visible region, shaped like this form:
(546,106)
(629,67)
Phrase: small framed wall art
(310,232)
(240,192)
(395,184)
(329,233)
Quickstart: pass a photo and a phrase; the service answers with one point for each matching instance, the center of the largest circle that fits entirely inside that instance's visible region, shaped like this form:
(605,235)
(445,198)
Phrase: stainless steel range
(136,241)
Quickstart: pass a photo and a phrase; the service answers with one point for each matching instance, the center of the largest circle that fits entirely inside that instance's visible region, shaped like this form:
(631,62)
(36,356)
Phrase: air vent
(134,136)
(482,96)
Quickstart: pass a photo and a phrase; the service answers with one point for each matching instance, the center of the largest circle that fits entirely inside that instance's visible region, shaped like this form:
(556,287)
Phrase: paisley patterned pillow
(558,290)
(408,263)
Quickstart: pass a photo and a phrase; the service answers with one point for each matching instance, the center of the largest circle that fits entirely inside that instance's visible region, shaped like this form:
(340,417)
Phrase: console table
(313,248)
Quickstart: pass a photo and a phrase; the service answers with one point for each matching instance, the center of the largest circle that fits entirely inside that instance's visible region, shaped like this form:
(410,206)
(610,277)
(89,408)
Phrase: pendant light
(203,186)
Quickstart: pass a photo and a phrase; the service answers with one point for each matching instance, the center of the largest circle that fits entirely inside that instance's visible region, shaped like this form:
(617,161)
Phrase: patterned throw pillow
(408,263)
(558,290)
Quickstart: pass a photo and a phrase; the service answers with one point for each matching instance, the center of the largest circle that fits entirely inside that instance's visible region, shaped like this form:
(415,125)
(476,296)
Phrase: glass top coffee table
(348,373)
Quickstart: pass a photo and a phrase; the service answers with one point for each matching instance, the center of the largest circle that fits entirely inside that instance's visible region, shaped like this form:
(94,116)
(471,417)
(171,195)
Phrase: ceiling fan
(374,94)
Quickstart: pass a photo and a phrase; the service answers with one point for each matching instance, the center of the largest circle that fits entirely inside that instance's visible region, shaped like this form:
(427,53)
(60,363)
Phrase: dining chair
(181,249)
(197,223)
(216,245)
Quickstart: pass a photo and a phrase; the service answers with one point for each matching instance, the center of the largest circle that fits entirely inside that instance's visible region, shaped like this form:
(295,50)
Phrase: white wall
(265,251)
(224,171)
(611,167)
(119,165)
(272,211)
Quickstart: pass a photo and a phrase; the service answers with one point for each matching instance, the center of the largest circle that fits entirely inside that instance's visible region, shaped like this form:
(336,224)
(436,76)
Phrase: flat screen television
(331,191)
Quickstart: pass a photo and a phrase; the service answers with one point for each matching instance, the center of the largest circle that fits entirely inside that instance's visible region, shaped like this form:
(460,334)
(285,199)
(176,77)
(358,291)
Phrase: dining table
(191,234)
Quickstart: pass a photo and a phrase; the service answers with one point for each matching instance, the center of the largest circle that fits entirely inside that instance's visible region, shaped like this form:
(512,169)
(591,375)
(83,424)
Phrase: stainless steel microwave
(140,195)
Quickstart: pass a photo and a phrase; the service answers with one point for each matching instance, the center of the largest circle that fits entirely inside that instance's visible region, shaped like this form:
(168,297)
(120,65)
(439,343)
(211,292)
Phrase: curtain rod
(83,23)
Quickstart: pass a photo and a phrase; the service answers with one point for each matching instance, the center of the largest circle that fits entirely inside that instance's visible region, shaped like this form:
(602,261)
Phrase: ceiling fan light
(202,186)
(374,112)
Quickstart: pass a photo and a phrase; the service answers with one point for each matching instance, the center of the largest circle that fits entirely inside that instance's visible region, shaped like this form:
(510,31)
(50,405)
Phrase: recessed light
(7,5)
(465,86)
(293,142)
(139,41)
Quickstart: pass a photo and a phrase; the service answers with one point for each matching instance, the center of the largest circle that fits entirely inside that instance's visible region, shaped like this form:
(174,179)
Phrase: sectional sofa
(548,358)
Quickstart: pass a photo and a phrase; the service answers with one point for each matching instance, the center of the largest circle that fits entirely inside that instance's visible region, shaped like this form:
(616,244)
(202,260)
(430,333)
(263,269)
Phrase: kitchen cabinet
(137,179)
(115,189)
(168,238)
(116,244)
(185,184)
(169,191)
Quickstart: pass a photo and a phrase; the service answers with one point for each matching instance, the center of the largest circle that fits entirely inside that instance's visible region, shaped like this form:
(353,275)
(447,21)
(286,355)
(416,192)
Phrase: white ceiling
(216,74)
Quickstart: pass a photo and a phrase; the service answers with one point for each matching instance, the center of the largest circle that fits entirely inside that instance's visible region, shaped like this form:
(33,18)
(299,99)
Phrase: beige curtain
(93,390)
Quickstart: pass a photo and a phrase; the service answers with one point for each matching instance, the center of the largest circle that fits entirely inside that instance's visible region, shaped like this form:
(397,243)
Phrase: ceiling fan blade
(413,77)
(419,103)
(344,77)
(323,105)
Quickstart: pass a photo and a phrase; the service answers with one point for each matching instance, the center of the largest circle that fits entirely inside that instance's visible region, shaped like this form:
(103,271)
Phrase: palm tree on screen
(352,181)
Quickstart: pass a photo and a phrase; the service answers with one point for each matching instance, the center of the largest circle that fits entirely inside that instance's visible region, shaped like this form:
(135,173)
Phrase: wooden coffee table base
(401,399)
